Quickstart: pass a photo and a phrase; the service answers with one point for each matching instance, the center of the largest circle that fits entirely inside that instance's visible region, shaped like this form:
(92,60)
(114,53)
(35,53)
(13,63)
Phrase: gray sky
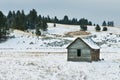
(95,10)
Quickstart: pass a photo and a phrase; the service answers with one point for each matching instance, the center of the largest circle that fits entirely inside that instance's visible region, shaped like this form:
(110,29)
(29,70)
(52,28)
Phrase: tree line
(19,20)
(109,23)
(66,20)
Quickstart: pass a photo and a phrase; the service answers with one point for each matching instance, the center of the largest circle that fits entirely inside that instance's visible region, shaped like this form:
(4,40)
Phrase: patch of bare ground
(76,33)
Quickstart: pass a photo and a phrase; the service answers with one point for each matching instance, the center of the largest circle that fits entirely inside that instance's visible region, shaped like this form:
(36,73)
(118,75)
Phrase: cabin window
(78,52)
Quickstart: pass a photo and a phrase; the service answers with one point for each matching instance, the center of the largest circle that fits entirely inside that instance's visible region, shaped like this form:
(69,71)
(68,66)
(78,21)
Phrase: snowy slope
(54,38)
(24,41)
(62,29)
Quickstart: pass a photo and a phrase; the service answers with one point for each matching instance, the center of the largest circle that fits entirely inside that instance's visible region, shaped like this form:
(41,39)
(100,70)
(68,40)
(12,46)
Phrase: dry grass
(76,33)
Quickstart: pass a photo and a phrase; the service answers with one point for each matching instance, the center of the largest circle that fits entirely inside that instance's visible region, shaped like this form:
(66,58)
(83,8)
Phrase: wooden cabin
(83,49)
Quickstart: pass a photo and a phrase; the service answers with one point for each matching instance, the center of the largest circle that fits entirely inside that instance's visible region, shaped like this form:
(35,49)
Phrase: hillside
(59,37)
(28,57)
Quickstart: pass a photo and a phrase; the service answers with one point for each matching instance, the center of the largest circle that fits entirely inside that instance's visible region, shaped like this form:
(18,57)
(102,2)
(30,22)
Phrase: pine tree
(9,14)
(104,23)
(17,20)
(74,21)
(83,27)
(83,24)
(97,28)
(110,23)
(38,33)
(44,26)
(90,23)
(23,21)
(9,19)
(55,20)
(32,19)
(48,19)
(83,21)
(65,20)
(3,27)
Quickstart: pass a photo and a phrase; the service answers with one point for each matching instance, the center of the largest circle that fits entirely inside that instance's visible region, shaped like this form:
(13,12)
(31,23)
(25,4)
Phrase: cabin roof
(88,41)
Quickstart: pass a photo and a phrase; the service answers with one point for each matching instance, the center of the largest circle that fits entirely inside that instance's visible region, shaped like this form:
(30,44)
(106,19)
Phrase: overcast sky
(95,10)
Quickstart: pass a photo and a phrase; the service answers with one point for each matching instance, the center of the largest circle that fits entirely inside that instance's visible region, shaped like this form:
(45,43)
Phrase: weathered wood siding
(95,54)
(85,51)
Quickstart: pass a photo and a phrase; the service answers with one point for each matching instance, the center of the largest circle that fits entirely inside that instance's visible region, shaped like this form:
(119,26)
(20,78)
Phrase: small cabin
(83,49)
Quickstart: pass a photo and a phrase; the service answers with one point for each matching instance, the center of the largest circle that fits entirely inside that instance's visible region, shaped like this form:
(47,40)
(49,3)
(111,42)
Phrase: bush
(54,25)
(31,43)
(38,33)
(104,29)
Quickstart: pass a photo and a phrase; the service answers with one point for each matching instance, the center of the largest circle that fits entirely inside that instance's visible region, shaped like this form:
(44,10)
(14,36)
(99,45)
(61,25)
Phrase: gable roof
(88,41)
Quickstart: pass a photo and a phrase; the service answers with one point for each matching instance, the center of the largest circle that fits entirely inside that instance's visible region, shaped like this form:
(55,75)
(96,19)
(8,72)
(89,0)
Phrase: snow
(91,43)
(62,29)
(42,66)
(27,57)
(29,42)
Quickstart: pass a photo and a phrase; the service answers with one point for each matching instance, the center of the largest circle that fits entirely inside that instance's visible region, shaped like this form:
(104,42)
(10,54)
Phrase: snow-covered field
(27,57)
(43,66)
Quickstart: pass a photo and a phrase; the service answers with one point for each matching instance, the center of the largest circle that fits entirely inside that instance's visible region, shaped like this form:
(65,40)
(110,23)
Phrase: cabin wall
(85,52)
(95,54)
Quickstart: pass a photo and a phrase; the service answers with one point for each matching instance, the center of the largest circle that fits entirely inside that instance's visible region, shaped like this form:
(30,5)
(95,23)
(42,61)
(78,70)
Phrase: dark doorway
(79,52)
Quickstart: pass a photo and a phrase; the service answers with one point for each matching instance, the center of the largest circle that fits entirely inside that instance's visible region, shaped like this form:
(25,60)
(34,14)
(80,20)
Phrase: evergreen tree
(83,27)
(44,26)
(10,19)
(38,33)
(32,19)
(9,14)
(83,21)
(83,24)
(48,19)
(24,21)
(39,18)
(110,23)
(19,21)
(104,23)
(3,27)
(74,21)
(65,20)
(90,23)
(55,20)
(97,28)
(94,24)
